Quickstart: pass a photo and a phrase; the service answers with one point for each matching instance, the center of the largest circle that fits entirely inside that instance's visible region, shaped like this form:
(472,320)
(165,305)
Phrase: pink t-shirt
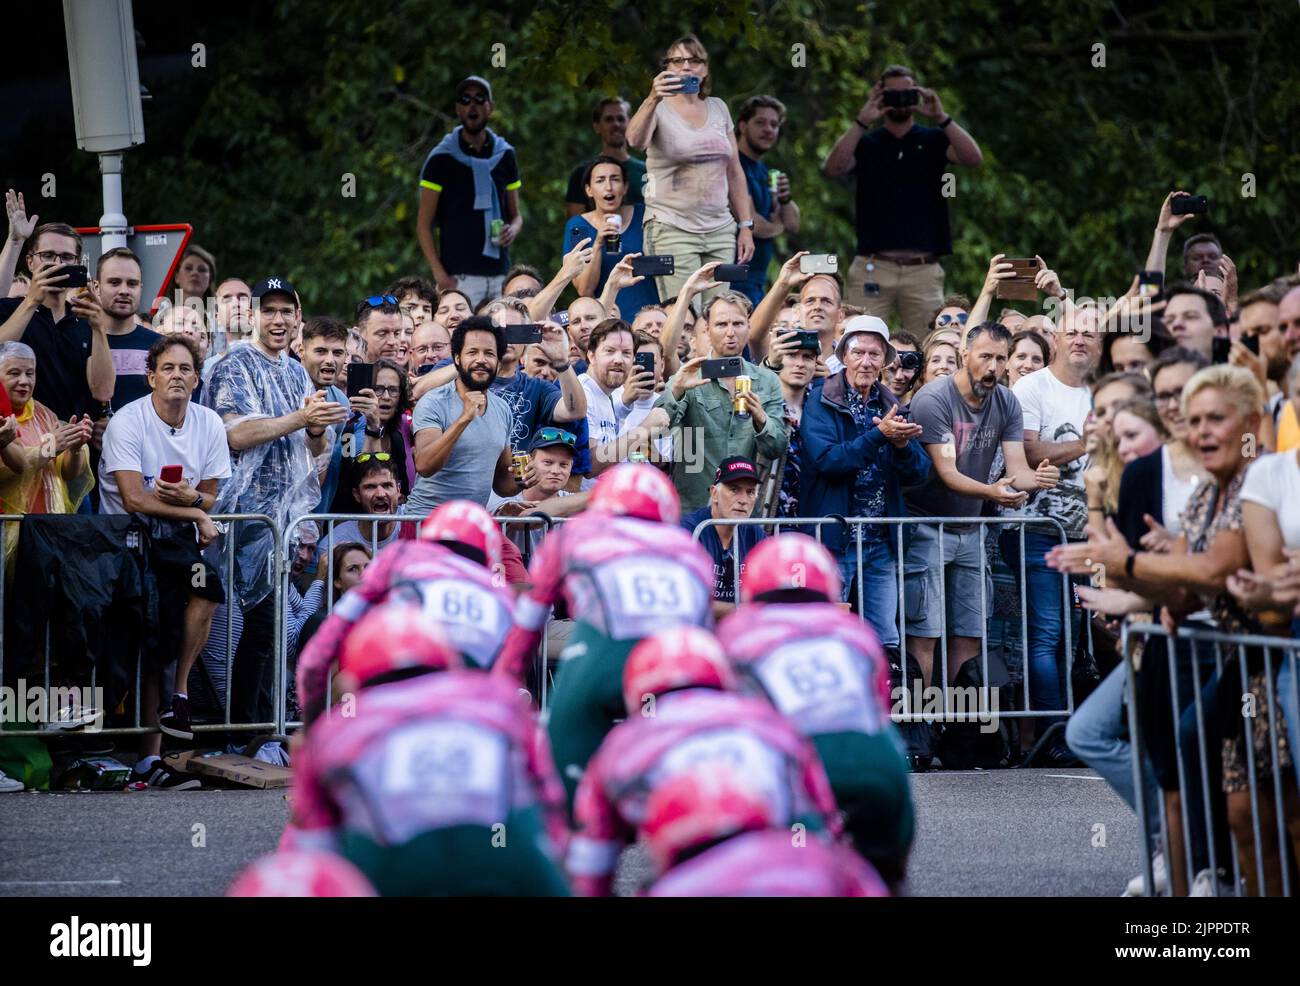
(686,167)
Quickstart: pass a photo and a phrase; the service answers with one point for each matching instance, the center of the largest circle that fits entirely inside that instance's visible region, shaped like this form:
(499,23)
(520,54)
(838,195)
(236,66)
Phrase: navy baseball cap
(734,469)
(550,437)
(276,285)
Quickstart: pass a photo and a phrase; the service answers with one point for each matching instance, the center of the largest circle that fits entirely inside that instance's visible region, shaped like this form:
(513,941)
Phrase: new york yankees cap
(275,285)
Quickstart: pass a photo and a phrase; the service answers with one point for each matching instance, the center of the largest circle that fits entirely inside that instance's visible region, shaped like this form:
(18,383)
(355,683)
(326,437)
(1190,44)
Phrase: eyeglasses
(386,391)
(49,257)
(685,62)
(557,435)
(466,99)
(943,320)
(365,457)
(1168,396)
(376,300)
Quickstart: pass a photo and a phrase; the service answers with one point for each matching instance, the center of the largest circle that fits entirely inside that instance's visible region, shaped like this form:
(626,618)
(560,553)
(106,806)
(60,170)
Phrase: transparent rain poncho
(279,478)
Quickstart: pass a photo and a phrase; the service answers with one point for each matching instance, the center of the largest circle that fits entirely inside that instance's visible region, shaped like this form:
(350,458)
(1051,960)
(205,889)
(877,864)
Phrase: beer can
(772,178)
(520,460)
(743,386)
(497,226)
(614,243)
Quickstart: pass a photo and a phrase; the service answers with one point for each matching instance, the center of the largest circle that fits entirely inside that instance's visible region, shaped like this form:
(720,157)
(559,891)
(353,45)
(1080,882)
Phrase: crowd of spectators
(1158,436)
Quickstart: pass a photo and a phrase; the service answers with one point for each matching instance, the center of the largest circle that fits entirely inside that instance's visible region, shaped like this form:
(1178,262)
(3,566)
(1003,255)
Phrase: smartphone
(77,276)
(1150,283)
(424,368)
(656,265)
(646,362)
(808,339)
(731,272)
(1189,205)
(690,84)
(361,376)
(1220,348)
(819,263)
(523,335)
(171,474)
(1020,287)
(898,98)
(1251,343)
(717,369)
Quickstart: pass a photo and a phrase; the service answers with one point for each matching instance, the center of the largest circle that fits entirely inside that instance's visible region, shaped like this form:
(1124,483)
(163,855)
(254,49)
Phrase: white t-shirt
(1274,482)
(1057,412)
(137,440)
(1175,492)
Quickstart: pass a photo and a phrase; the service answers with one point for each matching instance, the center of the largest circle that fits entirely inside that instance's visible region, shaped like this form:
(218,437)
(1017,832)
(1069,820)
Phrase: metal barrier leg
(1139,782)
(1206,793)
(1279,804)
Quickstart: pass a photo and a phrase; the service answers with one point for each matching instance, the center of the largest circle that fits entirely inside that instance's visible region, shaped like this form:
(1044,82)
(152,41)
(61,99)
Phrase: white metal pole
(112,223)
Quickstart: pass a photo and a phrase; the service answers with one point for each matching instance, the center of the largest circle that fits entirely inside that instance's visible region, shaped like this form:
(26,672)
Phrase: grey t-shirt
(976,436)
(468,472)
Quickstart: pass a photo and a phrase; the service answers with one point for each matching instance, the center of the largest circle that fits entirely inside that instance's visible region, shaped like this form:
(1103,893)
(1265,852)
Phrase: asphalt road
(1009,832)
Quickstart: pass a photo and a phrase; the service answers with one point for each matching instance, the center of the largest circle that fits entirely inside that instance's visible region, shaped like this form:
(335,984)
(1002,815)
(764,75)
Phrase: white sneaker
(1159,876)
(1204,886)
(8,785)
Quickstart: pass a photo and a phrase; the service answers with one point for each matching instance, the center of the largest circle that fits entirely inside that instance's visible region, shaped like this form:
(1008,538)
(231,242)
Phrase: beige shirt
(686,167)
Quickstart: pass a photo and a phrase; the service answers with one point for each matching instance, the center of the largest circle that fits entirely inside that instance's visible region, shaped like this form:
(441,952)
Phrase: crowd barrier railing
(225,525)
(326,523)
(898,524)
(1197,742)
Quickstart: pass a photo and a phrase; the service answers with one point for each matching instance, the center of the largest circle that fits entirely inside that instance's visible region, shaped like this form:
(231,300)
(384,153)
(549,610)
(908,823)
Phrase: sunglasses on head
(376,300)
(558,435)
(943,320)
(465,99)
(365,457)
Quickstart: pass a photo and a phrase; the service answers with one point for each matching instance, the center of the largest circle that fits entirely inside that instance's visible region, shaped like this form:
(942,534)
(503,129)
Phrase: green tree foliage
(1077,155)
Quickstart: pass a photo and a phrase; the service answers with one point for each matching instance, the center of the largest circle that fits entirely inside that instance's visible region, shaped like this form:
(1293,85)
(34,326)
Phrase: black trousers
(252,679)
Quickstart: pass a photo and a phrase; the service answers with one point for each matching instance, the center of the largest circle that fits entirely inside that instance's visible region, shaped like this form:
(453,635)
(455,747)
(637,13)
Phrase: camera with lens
(909,361)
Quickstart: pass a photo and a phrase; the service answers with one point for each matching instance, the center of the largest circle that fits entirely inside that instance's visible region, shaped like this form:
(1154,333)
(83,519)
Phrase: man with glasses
(902,212)
(77,375)
(430,344)
(469,190)
(276,424)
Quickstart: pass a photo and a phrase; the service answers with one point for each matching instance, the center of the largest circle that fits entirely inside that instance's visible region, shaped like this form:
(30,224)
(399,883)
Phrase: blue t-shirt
(724,571)
(530,401)
(629,300)
(760,190)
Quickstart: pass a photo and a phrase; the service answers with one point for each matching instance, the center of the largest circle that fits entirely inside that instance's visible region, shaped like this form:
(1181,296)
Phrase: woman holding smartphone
(695,192)
(615,231)
(380,428)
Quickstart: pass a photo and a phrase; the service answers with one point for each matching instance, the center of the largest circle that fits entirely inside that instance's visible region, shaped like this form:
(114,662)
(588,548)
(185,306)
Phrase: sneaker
(8,785)
(73,717)
(160,778)
(1206,885)
(176,722)
(1159,877)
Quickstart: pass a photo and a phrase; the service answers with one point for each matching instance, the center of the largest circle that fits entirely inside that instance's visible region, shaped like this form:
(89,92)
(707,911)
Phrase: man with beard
(902,214)
(117,289)
(377,492)
(470,181)
(758,125)
(964,419)
(462,430)
(609,121)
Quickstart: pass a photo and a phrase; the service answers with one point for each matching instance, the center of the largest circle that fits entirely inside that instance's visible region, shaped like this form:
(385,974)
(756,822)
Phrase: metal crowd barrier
(1279,658)
(326,524)
(856,524)
(224,523)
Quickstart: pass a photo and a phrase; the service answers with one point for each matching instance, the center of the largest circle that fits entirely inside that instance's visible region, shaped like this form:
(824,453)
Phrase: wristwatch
(747,224)
(198,501)
(375,434)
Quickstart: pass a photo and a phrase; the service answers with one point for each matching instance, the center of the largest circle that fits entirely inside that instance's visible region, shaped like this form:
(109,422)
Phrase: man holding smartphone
(164,457)
(76,364)
(902,214)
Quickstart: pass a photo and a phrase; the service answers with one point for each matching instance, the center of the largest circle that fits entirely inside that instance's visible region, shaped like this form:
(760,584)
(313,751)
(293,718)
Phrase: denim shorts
(965,576)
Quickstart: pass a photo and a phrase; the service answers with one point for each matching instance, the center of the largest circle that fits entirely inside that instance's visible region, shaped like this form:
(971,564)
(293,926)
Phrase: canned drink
(772,178)
(497,226)
(743,386)
(636,455)
(520,464)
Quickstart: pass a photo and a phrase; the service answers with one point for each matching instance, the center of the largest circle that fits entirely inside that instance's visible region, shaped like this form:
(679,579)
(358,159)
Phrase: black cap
(550,437)
(735,469)
(275,285)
